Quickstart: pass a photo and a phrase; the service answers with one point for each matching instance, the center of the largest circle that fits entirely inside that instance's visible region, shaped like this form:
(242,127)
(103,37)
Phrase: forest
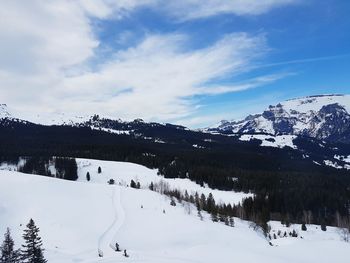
(286,185)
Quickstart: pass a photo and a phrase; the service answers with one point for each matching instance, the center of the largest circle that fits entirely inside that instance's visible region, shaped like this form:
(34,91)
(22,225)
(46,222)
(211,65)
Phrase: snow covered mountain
(4,113)
(325,117)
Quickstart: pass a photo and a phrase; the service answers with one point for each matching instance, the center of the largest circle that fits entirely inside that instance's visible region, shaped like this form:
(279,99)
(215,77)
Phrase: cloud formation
(194,9)
(45,46)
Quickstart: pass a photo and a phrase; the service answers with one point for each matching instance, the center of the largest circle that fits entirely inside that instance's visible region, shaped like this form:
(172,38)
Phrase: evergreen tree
(88,176)
(303,227)
(32,251)
(132,184)
(99,170)
(151,186)
(214,217)
(8,254)
(232,222)
(211,204)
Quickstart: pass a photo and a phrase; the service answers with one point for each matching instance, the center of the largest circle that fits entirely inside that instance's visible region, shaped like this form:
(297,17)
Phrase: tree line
(285,185)
(64,168)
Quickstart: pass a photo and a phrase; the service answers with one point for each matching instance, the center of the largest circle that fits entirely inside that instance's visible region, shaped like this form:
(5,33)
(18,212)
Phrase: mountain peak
(4,111)
(319,116)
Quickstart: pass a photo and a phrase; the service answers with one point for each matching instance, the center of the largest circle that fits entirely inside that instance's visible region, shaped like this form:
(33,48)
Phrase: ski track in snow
(107,239)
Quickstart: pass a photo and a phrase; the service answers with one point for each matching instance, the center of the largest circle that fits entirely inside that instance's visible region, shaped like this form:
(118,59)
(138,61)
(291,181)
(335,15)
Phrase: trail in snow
(106,242)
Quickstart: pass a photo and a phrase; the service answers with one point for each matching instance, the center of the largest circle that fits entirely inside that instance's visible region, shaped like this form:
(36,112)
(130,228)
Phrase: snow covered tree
(88,176)
(7,252)
(32,251)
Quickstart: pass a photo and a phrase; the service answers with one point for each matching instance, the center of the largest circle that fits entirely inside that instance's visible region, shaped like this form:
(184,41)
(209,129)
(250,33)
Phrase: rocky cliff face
(325,117)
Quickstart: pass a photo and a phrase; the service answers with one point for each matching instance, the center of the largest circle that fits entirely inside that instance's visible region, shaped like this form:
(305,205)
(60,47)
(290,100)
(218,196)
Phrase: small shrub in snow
(111,181)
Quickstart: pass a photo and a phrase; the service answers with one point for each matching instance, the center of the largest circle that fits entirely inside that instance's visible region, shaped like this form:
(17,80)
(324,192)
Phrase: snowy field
(123,172)
(77,219)
(278,141)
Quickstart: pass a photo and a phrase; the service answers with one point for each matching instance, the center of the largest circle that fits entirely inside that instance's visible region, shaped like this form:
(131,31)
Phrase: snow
(343,158)
(278,141)
(157,140)
(332,164)
(198,146)
(78,218)
(123,172)
(315,103)
(300,112)
(4,111)
(119,132)
(265,125)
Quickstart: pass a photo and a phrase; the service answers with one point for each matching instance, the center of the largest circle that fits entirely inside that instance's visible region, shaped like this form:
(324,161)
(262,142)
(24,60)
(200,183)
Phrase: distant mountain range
(325,117)
(313,130)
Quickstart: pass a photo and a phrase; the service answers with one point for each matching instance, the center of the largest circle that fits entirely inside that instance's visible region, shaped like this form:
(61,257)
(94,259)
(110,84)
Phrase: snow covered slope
(322,117)
(123,172)
(77,219)
(279,141)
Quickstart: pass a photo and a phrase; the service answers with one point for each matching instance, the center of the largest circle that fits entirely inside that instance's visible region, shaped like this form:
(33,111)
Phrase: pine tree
(303,227)
(232,221)
(32,251)
(132,184)
(8,254)
(88,176)
(211,204)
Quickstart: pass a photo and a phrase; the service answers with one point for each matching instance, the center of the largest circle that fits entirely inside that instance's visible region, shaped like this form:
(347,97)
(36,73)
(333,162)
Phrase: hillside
(86,216)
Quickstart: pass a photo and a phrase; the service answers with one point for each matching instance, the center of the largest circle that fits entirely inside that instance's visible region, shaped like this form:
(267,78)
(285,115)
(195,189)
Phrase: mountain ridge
(325,117)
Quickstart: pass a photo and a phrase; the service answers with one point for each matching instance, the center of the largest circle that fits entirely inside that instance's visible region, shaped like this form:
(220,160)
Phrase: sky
(189,62)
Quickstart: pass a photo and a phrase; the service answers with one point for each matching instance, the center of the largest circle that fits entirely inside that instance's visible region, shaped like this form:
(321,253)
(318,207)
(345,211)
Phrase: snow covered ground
(123,172)
(278,141)
(78,218)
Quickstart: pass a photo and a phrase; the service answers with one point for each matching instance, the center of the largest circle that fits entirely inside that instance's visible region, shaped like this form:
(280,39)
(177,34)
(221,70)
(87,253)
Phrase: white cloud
(155,79)
(40,41)
(194,9)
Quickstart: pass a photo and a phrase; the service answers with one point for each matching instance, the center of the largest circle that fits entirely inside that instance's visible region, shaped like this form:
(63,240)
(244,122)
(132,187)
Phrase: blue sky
(189,62)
